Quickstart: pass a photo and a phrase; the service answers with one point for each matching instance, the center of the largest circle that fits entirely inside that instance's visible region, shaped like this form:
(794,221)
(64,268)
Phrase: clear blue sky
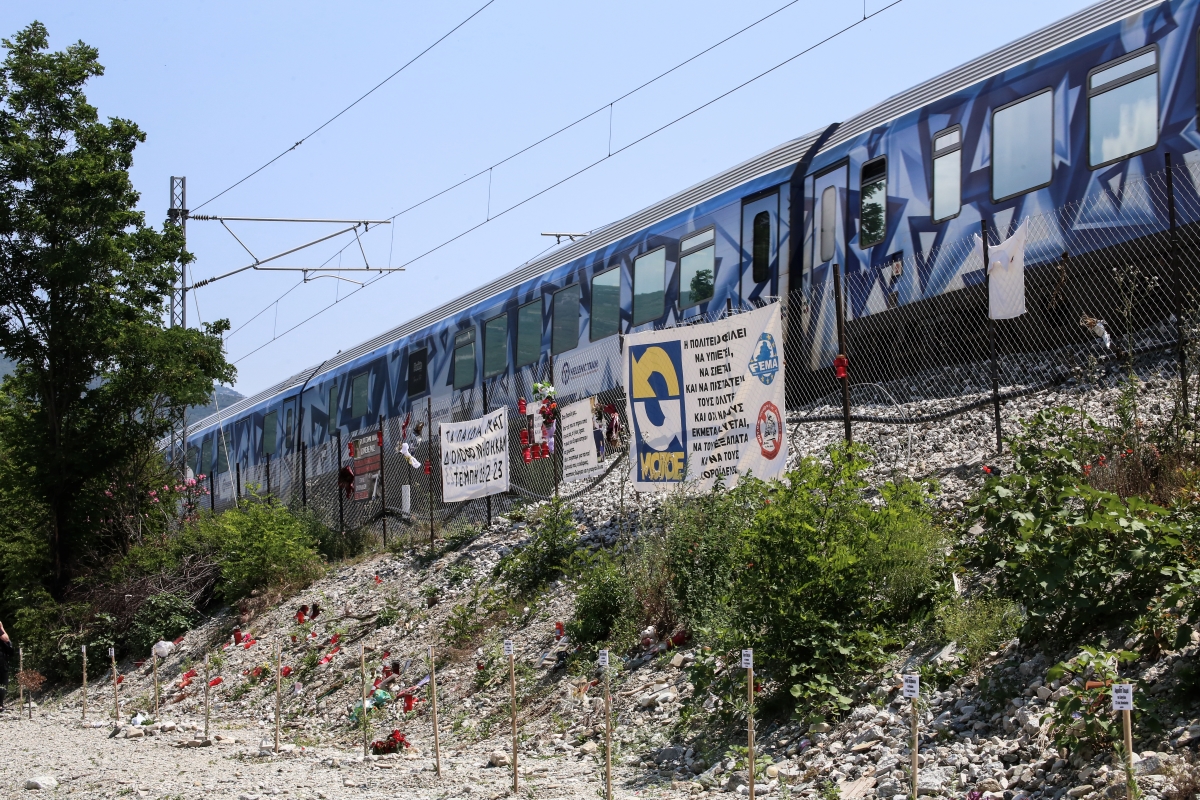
(220,88)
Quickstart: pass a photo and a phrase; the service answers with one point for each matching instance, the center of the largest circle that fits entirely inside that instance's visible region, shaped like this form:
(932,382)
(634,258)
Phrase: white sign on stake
(912,686)
(1122,697)
(747,659)
(508,647)
(84,648)
(603,658)
(110,652)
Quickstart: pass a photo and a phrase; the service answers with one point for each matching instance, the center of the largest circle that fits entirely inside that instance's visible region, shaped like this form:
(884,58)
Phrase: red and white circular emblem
(769,430)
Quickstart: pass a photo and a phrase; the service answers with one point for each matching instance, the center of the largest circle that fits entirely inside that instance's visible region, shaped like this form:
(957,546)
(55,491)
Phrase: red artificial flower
(216,681)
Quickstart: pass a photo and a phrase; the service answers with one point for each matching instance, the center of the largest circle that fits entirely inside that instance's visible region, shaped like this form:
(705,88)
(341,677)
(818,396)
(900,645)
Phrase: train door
(289,425)
(828,247)
(760,247)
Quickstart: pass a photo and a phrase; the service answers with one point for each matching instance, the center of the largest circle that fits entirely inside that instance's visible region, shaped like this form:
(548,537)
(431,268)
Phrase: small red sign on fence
(368,455)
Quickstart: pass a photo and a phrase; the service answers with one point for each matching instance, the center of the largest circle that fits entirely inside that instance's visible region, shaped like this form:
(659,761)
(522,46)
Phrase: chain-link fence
(1106,280)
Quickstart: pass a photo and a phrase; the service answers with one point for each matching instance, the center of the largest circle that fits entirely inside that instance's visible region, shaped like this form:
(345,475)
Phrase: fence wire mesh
(1111,285)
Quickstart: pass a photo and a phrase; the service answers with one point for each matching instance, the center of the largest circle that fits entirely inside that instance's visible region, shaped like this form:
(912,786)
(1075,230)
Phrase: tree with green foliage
(84,288)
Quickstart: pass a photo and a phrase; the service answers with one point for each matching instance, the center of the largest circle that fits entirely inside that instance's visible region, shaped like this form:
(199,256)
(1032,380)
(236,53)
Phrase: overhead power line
(577,173)
(607,106)
(367,94)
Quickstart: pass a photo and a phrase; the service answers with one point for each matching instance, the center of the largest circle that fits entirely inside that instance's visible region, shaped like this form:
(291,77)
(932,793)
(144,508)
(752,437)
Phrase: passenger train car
(1081,106)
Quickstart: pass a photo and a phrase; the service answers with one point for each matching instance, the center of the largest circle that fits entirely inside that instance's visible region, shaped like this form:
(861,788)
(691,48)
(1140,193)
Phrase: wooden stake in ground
(437,748)
(84,647)
(278,689)
(607,728)
(912,690)
(112,655)
(512,689)
(1122,700)
(20,687)
(362,669)
(748,665)
(206,679)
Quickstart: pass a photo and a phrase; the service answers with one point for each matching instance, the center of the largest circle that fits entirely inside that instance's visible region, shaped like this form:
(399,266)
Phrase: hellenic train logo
(660,438)
(765,361)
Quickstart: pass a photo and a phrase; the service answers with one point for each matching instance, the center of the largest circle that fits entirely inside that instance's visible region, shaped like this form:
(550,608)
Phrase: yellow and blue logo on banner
(656,395)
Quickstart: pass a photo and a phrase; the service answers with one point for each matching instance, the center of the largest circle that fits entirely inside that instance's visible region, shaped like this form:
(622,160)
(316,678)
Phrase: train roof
(1054,35)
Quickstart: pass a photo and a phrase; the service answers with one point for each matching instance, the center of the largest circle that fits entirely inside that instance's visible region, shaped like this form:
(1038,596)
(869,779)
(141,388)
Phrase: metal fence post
(341,499)
(1177,287)
(983,228)
(841,337)
(268,473)
(486,409)
(429,477)
(382,482)
(212,493)
(237,468)
(304,474)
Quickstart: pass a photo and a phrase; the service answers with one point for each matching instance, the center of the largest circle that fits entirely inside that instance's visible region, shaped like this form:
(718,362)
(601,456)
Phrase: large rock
(498,758)
(41,782)
(932,780)
(1080,791)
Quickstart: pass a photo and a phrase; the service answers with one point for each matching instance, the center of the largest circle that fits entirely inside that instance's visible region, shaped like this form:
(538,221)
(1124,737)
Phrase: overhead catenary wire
(364,96)
(488,170)
(578,172)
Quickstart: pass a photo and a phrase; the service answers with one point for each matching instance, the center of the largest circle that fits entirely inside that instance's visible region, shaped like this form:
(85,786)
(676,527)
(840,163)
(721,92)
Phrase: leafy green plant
(457,574)
(1073,556)
(1083,718)
(543,558)
(390,615)
(162,616)
(263,546)
(602,594)
(979,624)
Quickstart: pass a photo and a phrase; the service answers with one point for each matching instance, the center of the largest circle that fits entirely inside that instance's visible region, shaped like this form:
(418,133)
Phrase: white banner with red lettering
(707,401)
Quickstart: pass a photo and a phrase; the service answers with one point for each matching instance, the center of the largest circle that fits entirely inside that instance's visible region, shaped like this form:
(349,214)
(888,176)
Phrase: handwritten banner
(475,457)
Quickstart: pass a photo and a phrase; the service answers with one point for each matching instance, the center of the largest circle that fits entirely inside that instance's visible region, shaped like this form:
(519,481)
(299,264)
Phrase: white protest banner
(912,686)
(1122,697)
(706,401)
(475,457)
(579,457)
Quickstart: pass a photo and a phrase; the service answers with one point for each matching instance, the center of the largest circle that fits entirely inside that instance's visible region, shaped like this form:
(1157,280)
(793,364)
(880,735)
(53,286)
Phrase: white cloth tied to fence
(1006,274)
(475,457)
(163,649)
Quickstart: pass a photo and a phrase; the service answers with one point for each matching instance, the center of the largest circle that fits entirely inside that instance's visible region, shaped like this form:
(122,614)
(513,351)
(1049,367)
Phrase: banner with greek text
(706,401)
(580,458)
(475,457)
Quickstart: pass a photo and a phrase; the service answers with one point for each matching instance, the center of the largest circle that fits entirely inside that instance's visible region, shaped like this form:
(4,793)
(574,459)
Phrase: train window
(289,423)
(205,456)
(564,331)
(332,409)
(947,173)
(270,433)
(828,222)
(697,267)
(606,304)
(464,358)
(873,202)
(417,378)
(360,397)
(193,460)
(1023,145)
(649,285)
(529,333)
(1123,107)
(495,345)
(761,271)
(222,452)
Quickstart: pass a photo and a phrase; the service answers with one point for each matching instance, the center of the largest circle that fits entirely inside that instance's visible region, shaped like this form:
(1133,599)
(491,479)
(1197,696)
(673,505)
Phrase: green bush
(979,625)
(162,616)
(332,544)
(262,546)
(602,595)
(1075,557)
(542,559)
